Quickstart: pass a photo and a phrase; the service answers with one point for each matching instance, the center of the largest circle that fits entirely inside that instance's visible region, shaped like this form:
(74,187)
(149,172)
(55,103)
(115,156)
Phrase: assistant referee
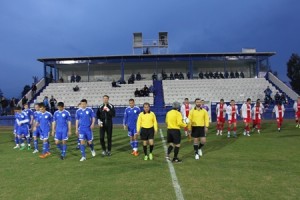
(174,121)
(198,126)
(146,126)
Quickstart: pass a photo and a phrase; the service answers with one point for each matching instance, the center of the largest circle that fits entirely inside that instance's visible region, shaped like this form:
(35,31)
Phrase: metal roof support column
(122,70)
(257,66)
(88,71)
(191,68)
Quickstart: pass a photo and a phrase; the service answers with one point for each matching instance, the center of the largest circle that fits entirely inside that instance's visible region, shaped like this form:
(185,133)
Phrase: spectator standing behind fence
(33,90)
(12,105)
(53,103)
(46,103)
(138,76)
(4,104)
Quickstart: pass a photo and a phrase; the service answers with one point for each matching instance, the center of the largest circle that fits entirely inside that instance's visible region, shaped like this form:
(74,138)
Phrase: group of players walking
(195,120)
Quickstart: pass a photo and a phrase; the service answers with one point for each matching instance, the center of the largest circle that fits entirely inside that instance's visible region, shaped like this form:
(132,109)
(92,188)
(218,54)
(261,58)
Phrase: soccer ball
(186,120)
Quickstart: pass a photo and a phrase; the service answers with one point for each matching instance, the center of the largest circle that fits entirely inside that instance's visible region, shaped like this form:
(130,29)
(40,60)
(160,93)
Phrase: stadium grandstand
(209,76)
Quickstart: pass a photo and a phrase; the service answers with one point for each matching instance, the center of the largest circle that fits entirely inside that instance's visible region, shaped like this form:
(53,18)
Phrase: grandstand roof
(162,57)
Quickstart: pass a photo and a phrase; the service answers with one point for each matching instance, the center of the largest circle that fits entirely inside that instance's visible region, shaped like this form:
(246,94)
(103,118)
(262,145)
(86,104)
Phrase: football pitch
(263,166)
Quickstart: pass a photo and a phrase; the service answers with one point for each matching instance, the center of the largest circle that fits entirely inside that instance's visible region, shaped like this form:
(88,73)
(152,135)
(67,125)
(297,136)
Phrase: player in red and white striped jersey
(185,110)
(279,113)
(246,113)
(297,112)
(232,113)
(221,112)
(257,112)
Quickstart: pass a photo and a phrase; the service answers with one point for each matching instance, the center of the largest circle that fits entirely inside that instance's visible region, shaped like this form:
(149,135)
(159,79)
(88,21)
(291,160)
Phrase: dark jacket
(106,116)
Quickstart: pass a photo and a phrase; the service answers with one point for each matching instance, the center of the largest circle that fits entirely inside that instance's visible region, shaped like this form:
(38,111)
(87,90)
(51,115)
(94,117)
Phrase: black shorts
(173,136)
(147,133)
(198,131)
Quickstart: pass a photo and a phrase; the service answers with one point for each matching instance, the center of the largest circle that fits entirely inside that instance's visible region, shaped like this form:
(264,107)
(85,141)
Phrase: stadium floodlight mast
(150,46)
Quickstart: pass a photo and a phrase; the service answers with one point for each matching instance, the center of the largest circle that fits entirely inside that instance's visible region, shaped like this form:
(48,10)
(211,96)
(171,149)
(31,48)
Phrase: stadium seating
(93,92)
(215,89)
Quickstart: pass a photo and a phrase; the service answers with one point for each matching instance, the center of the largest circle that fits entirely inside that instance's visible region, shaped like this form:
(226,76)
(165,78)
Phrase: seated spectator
(77,78)
(206,75)
(242,75)
(114,84)
(76,88)
(138,76)
(216,75)
(268,92)
(237,75)
(188,75)
(171,76)
(61,80)
(146,91)
(201,75)
(131,80)
(211,75)
(226,75)
(73,78)
(181,77)
(283,98)
(164,75)
(221,75)
(277,98)
(151,89)
(176,75)
(154,76)
(137,93)
(231,75)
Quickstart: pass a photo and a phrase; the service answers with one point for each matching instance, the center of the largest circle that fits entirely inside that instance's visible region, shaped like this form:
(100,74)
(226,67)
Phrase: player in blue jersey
(15,131)
(29,113)
(78,141)
(36,129)
(22,129)
(85,120)
(61,128)
(44,121)
(129,122)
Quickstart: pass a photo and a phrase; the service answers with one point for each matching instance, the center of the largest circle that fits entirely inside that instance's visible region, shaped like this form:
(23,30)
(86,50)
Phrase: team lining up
(194,120)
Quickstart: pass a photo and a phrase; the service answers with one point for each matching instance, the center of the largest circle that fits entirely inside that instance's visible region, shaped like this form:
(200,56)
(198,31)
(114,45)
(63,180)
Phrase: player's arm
(138,124)
(190,119)
(93,122)
(69,128)
(155,124)
(76,127)
(206,118)
(125,120)
(180,121)
(53,128)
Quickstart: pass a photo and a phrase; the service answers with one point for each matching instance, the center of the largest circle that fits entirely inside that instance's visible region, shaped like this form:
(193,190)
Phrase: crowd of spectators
(278,98)
(7,106)
(221,75)
(144,92)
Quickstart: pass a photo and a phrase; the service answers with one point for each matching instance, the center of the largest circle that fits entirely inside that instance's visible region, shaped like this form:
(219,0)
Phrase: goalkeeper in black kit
(105,114)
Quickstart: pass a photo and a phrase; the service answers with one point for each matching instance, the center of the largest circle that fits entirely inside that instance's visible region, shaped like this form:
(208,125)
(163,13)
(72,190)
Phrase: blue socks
(82,149)
(36,142)
(64,149)
(132,144)
(92,146)
(135,144)
(16,140)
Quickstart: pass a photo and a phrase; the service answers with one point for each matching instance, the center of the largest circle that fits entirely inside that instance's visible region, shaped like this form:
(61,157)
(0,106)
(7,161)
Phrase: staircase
(158,94)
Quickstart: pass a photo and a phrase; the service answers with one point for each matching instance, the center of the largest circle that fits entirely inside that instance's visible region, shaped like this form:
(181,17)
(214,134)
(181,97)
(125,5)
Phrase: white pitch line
(177,188)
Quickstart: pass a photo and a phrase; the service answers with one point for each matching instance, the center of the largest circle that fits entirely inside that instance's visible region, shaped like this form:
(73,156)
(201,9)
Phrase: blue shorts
(85,134)
(37,132)
(131,131)
(44,135)
(61,134)
(23,130)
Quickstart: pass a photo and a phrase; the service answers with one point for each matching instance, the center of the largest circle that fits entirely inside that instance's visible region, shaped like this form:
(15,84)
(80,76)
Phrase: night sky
(34,29)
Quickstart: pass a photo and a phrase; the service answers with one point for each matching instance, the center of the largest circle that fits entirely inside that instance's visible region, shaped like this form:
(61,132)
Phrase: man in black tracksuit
(106,112)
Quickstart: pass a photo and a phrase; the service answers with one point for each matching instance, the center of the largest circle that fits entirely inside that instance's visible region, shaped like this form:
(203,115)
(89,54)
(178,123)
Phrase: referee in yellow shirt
(198,126)
(174,121)
(146,127)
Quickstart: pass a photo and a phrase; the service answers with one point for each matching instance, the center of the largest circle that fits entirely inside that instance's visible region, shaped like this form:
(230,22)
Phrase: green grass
(265,166)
